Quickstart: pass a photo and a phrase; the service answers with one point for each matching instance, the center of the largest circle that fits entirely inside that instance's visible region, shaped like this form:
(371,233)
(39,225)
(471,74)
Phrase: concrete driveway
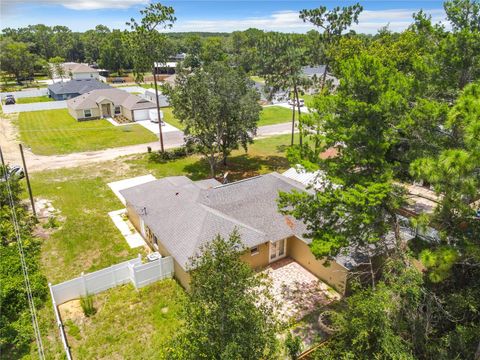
(50,105)
(153,127)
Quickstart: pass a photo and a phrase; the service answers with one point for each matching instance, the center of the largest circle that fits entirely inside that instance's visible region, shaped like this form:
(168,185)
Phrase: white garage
(143,114)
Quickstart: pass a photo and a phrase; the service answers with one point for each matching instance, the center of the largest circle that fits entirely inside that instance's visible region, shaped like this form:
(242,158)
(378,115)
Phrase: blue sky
(198,15)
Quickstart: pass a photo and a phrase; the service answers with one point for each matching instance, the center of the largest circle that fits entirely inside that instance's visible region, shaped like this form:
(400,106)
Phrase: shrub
(172,154)
(293,344)
(51,223)
(87,305)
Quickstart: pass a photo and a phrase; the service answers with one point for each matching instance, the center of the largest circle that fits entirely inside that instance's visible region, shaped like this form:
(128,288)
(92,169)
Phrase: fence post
(84,284)
(133,276)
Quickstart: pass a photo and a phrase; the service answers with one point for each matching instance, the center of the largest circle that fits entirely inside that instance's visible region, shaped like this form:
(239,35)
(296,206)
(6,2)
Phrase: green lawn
(270,115)
(129,324)
(170,119)
(53,132)
(274,115)
(35,99)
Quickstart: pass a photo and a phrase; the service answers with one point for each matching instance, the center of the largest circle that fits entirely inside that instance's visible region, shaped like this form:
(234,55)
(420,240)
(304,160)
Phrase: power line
(16,226)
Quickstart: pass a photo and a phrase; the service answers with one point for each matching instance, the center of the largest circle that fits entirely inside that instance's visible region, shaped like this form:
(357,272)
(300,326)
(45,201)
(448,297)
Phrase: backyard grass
(34,99)
(274,115)
(52,132)
(128,322)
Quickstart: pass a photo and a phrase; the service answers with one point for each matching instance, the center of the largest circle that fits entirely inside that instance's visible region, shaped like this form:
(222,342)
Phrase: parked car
(14,171)
(17,171)
(9,100)
(118,80)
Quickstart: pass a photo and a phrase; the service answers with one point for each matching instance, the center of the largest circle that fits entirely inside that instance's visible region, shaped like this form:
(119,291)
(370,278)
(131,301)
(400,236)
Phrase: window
(87,113)
(117,110)
(254,250)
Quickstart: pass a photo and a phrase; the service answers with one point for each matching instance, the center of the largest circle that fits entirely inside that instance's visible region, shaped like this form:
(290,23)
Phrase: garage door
(141,114)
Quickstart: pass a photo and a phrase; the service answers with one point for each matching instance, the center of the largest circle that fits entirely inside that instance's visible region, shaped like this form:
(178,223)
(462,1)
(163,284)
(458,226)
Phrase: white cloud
(94,4)
(288,21)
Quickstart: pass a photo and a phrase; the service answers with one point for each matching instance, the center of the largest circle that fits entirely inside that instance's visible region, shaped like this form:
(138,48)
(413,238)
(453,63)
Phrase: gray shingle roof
(117,96)
(77,86)
(184,214)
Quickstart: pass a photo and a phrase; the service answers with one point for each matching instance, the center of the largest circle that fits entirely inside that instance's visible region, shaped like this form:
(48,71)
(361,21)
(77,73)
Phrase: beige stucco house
(176,215)
(109,103)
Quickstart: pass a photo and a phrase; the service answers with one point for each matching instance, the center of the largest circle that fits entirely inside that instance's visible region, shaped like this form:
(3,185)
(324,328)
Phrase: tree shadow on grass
(238,167)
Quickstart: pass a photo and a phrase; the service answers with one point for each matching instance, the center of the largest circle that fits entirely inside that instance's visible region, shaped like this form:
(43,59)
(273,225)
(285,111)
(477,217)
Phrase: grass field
(146,318)
(87,240)
(53,132)
(170,119)
(274,115)
(35,99)
(269,116)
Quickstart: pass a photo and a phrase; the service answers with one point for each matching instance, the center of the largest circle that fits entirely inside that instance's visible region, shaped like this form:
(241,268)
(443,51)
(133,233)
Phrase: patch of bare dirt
(72,310)
(9,138)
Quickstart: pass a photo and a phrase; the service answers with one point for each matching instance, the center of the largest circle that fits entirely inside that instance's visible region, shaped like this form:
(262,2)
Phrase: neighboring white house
(79,71)
(150,96)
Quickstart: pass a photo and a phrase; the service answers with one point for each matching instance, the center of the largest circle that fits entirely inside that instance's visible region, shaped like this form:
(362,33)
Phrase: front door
(106,110)
(278,250)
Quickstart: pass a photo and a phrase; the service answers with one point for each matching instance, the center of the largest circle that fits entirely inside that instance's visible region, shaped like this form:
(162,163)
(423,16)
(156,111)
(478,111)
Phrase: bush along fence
(133,271)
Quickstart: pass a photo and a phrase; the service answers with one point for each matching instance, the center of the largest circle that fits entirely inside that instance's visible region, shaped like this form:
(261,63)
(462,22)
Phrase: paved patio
(297,290)
(120,219)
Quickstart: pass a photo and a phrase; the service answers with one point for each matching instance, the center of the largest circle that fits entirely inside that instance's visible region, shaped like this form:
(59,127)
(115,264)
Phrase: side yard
(53,132)
(270,115)
(35,99)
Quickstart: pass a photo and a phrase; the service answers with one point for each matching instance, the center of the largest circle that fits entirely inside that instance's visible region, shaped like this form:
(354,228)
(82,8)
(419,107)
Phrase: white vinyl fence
(88,284)
(129,271)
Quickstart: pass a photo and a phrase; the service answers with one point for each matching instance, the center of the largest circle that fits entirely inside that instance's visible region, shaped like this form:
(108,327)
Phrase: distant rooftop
(77,86)
(75,68)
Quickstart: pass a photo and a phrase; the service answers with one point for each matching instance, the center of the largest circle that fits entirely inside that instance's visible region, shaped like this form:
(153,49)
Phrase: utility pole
(158,106)
(3,163)
(28,181)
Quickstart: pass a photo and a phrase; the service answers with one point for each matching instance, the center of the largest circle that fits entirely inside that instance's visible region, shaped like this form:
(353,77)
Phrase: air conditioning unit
(154,256)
